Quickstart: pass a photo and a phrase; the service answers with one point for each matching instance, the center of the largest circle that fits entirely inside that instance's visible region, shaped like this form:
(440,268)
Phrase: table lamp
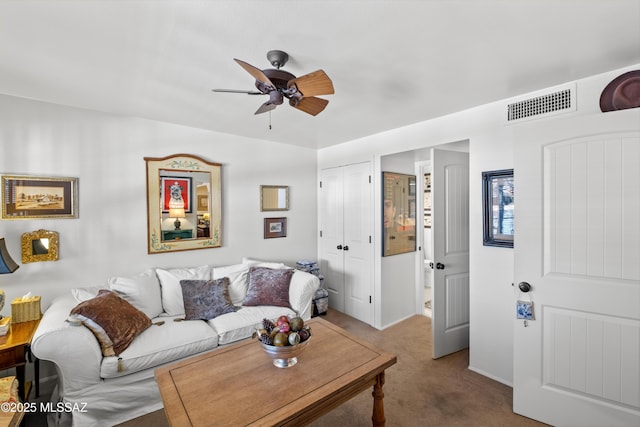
(177,213)
(7,265)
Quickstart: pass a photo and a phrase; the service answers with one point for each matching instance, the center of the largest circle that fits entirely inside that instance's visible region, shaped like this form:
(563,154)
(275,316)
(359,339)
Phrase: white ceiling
(393,63)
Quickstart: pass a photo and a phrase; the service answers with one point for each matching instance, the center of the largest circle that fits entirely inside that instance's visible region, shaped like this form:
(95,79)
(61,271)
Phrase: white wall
(491,146)
(398,286)
(110,236)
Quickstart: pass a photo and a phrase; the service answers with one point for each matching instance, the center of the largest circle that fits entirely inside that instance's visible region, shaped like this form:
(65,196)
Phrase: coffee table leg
(378,405)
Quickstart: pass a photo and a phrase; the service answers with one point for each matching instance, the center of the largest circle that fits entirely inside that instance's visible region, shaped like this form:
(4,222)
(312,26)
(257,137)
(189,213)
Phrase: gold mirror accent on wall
(41,245)
(274,198)
(184,203)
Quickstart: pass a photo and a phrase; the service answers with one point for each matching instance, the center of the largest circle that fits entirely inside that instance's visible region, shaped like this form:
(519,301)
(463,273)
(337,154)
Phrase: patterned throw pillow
(268,287)
(114,321)
(206,299)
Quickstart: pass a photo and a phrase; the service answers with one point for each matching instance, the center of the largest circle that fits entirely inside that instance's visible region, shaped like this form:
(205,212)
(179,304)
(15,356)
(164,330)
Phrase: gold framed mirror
(40,245)
(184,203)
(274,198)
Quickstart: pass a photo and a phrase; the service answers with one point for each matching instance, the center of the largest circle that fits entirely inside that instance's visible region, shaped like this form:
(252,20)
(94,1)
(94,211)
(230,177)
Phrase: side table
(14,349)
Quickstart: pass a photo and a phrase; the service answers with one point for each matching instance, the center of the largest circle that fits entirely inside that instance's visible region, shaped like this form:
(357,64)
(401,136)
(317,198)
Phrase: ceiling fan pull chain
(269,120)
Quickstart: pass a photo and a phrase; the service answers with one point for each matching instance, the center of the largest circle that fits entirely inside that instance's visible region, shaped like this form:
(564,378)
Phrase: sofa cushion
(268,287)
(171,290)
(167,340)
(142,291)
(114,321)
(206,299)
(243,323)
(259,263)
(238,275)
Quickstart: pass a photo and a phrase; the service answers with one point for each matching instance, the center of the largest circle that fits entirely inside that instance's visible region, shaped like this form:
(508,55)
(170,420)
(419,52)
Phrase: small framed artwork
(29,197)
(176,192)
(498,203)
(275,227)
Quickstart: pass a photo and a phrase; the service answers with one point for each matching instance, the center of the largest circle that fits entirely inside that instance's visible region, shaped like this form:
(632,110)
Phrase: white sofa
(104,391)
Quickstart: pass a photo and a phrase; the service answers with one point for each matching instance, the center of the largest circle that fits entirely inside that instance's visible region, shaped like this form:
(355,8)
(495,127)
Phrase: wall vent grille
(543,105)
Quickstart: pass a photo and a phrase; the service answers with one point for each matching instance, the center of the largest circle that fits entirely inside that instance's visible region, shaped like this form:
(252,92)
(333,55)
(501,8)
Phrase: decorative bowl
(285,356)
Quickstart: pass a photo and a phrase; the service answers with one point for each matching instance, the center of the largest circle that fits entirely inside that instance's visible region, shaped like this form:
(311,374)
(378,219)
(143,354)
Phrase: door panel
(450,184)
(357,233)
(578,245)
(331,225)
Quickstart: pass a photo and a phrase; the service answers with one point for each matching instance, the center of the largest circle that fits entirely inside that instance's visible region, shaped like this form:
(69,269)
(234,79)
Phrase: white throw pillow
(238,275)
(142,291)
(83,294)
(268,264)
(171,290)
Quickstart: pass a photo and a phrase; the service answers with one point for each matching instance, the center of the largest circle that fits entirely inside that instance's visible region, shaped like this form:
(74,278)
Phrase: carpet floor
(419,391)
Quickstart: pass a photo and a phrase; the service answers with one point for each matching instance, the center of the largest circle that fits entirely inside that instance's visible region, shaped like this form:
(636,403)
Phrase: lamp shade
(7,264)
(176,213)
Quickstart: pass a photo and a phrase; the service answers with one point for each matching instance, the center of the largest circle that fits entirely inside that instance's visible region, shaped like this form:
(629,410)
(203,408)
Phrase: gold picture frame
(40,245)
(274,198)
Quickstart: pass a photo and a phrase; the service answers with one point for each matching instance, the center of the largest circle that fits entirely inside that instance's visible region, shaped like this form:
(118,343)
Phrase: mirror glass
(184,203)
(41,245)
(274,198)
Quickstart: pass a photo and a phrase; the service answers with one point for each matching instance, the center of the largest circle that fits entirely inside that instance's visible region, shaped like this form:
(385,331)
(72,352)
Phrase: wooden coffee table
(238,384)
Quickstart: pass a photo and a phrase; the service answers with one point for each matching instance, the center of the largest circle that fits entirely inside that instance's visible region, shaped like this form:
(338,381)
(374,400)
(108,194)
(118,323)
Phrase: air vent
(542,105)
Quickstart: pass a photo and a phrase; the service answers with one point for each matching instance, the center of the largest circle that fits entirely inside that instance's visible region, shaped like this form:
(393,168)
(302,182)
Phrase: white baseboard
(493,377)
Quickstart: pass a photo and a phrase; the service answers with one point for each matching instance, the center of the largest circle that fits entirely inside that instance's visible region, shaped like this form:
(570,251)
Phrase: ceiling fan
(279,84)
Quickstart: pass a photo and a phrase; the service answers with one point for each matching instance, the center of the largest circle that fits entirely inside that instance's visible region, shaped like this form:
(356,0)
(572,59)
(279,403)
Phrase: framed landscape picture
(29,197)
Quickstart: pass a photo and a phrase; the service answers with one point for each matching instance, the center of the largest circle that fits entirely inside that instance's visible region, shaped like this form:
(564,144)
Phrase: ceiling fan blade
(309,104)
(248,92)
(265,107)
(255,72)
(312,84)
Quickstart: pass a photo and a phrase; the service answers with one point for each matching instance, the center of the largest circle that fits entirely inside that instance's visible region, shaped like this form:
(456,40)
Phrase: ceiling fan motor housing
(279,78)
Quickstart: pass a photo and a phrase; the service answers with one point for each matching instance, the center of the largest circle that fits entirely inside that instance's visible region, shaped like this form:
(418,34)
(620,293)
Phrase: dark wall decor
(275,227)
(498,202)
(621,93)
(398,213)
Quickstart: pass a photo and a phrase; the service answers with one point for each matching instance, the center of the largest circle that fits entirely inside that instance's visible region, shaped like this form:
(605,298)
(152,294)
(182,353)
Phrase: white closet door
(346,219)
(332,238)
(358,245)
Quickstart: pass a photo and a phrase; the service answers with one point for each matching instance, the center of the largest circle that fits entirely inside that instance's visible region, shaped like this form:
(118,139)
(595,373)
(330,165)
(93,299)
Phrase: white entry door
(346,239)
(577,243)
(450,249)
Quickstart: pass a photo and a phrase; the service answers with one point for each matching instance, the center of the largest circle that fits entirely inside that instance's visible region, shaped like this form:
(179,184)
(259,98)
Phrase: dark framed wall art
(275,227)
(399,213)
(29,197)
(498,203)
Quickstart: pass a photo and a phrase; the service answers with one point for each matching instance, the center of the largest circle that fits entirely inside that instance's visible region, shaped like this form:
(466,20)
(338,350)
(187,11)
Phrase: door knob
(339,247)
(440,266)
(524,286)
(346,248)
